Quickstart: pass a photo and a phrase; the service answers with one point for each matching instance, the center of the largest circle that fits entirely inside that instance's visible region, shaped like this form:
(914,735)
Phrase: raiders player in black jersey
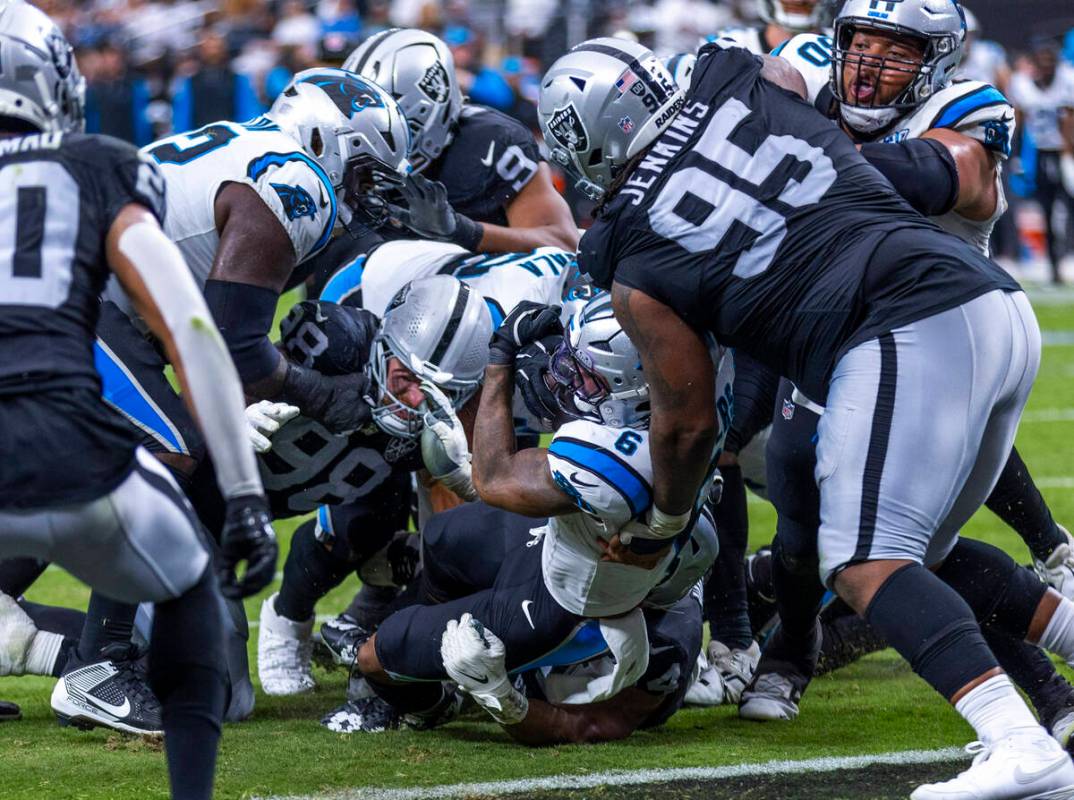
(739,210)
(478,181)
(76,208)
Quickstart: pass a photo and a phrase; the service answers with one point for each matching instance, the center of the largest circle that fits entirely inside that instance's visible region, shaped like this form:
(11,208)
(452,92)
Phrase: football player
(592,484)
(434,330)
(942,145)
(250,203)
(818,269)
(478,179)
(782,19)
(88,206)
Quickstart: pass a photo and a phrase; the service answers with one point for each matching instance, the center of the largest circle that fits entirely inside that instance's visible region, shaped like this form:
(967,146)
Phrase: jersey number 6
(698,208)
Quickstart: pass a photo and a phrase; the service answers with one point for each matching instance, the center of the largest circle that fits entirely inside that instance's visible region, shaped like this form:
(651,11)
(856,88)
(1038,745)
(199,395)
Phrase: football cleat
(1026,763)
(734,666)
(1058,570)
(369,715)
(339,641)
(707,688)
(9,712)
(109,693)
(1062,728)
(771,696)
(441,714)
(284,652)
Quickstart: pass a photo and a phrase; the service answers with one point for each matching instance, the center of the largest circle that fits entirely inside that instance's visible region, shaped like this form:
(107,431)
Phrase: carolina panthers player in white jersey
(782,20)
(595,558)
(942,144)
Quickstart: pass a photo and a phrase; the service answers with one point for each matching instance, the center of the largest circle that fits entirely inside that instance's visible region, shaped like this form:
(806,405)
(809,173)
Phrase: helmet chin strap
(867,120)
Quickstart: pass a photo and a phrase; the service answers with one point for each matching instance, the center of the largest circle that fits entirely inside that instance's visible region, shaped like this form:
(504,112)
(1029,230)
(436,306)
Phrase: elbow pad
(923,171)
(244,314)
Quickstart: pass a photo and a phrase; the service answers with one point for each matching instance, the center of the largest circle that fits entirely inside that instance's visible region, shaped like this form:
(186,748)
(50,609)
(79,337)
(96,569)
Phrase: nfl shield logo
(788,410)
(626,124)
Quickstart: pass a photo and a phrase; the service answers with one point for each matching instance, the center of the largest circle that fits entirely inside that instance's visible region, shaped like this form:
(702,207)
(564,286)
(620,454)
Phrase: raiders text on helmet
(418,70)
(938,25)
(40,85)
(601,104)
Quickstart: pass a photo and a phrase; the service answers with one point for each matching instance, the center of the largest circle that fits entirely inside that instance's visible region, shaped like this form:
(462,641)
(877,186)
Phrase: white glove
(474,659)
(1066,172)
(265,418)
(443,444)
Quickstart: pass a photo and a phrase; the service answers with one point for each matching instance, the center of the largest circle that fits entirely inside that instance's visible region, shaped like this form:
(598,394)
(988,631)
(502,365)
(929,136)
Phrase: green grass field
(875,706)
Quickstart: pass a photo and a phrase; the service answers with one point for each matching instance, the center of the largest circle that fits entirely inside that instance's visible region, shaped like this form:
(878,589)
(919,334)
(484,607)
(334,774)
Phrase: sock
(726,604)
(798,594)
(1032,672)
(994,709)
(1058,636)
(187,674)
(309,573)
(43,653)
(107,622)
(1017,501)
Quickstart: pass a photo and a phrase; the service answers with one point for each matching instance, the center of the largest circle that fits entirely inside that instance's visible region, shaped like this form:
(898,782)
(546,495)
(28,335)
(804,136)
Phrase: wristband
(468,234)
(667,526)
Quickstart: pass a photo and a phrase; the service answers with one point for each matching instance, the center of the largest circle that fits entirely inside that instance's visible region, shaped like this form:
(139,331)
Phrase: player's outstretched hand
(443,444)
(532,380)
(526,323)
(339,402)
(265,418)
(475,658)
(424,208)
(248,536)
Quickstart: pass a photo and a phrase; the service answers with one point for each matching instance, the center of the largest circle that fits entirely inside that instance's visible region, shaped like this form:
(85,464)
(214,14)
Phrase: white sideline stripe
(1059,482)
(641,776)
(1049,415)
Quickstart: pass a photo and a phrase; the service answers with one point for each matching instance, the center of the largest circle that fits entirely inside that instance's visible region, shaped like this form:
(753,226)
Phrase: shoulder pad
(978,110)
(605,471)
(811,55)
(300,194)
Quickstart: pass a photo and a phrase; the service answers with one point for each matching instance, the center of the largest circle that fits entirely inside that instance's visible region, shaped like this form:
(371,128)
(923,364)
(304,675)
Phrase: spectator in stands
(297,27)
(481,83)
(116,98)
(210,89)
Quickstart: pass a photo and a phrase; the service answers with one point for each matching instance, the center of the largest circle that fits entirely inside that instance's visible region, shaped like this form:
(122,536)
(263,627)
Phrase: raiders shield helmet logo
(566,126)
(434,83)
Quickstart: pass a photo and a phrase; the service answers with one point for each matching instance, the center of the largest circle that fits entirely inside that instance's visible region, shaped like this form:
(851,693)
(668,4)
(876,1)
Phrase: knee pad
(932,627)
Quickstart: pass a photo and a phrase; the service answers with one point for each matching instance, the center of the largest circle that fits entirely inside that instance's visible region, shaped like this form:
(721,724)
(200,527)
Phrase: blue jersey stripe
(344,282)
(584,643)
(122,392)
(779,48)
(623,479)
(496,311)
(963,107)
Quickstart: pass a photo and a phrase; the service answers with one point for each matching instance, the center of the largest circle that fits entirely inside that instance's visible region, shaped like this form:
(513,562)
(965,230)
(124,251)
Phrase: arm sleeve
(211,381)
(923,171)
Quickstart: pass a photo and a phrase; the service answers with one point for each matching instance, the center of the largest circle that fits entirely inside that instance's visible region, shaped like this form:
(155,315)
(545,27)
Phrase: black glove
(424,208)
(247,536)
(526,323)
(338,401)
(532,380)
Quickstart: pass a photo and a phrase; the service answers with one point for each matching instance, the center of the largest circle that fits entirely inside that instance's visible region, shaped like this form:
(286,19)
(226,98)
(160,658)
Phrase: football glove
(425,209)
(531,373)
(475,659)
(526,323)
(339,402)
(443,444)
(247,536)
(265,418)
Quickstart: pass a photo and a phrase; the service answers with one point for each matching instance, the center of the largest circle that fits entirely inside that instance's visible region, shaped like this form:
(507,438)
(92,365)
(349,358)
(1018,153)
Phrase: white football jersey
(1041,106)
(972,108)
(740,36)
(608,472)
(195,165)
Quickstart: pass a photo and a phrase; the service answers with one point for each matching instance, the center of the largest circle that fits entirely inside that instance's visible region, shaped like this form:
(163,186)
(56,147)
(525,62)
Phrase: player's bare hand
(615,550)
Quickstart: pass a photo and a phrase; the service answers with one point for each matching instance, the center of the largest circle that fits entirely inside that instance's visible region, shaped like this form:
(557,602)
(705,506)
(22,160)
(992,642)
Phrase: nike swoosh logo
(526,610)
(324,197)
(487,160)
(482,679)
(575,479)
(119,711)
(1022,776)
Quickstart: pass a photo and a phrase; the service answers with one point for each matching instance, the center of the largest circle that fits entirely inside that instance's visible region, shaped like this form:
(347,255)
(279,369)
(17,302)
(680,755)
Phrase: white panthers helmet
(439,329)
(40,85)
(353,129)
(418,70)
(681,66)
(939,25)
(603,103)
(597,369)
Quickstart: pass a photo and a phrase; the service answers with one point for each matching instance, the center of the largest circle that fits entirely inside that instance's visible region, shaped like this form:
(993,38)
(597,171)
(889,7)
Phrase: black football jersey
(754,217)
(59,195)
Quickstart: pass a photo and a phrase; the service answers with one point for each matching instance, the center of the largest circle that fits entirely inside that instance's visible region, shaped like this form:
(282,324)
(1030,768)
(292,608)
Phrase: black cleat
(9,712)
(339,642)
(370,715)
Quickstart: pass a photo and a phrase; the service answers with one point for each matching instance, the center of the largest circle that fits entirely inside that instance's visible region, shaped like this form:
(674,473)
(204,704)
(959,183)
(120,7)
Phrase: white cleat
(1058,570)
(1024,765)
(706,689)
(771,697)
(736,667)
(284,652)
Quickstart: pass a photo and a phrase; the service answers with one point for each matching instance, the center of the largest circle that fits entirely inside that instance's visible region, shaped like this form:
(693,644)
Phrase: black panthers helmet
(330,338)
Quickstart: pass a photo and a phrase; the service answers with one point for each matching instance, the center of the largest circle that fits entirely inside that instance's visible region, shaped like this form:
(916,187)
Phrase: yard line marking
(1054,338)
(1058,482)
(1049,415)
(641,776)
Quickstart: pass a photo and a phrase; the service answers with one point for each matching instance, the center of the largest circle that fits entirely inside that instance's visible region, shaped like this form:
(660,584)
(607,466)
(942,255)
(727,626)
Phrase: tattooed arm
(679,369)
